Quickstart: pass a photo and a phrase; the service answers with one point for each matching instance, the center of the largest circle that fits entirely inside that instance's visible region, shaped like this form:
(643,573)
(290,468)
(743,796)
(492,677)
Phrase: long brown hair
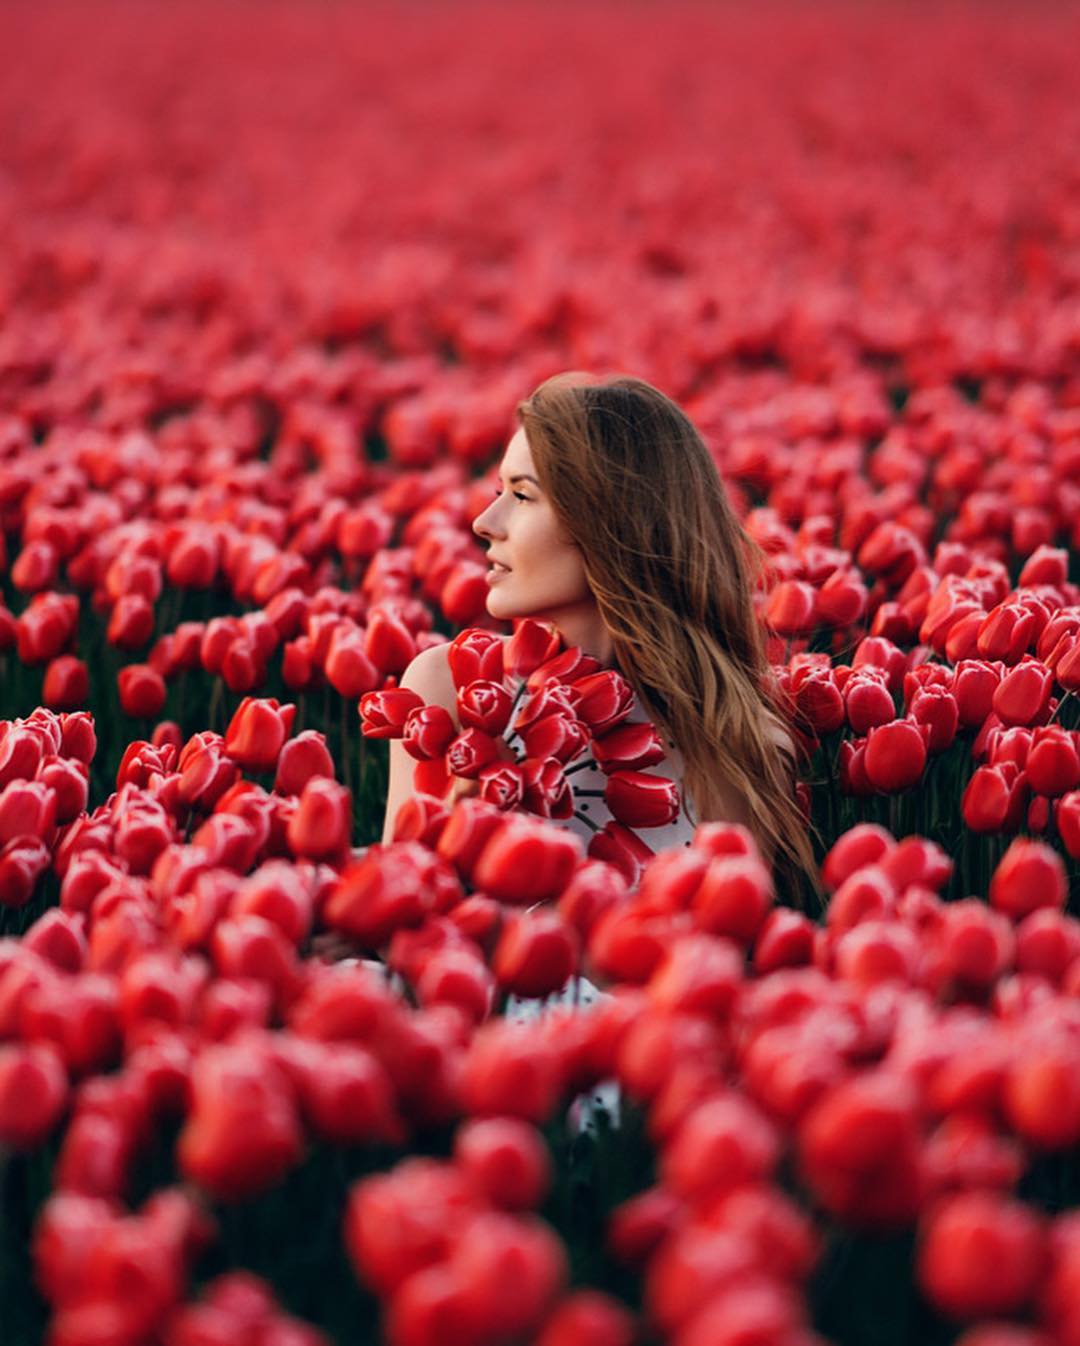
(673,574)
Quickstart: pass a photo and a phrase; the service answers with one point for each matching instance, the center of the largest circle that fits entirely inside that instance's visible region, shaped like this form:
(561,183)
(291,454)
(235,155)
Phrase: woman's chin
(497,606)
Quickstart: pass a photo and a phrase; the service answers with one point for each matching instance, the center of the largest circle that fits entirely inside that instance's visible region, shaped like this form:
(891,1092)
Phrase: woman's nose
(486,524)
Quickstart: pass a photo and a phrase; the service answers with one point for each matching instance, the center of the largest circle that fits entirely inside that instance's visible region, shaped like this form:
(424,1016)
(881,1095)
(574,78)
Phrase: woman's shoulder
(429,676)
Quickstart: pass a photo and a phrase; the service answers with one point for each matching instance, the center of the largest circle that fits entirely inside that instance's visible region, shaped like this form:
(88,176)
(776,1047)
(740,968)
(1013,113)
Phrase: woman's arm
(428,676)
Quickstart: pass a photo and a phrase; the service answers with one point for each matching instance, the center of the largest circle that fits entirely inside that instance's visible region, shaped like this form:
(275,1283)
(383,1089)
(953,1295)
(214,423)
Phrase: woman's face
(536,570)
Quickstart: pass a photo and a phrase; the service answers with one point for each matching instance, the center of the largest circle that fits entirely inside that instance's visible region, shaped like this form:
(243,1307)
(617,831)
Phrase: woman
(611,523)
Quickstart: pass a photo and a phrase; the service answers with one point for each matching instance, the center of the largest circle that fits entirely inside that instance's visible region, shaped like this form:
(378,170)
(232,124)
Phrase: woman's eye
(516,494)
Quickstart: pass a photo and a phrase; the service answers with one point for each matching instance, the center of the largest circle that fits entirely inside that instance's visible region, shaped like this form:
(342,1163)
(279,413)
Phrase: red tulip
(389,889)
(818,700)
(859,1151)
(860,846)
(35,568)
(1029,875)
(321,827)
(867,700)
(881,653)
(347,1097)
(242,1134)
(699,975)
(475,654)
(1052,766)
(348,668)
(428,732)
(841,600)
(457,976)
(388,642)
(132,622)
(205,773)
(67,683)
(484,705)
(192,561)
(734,897)
(509,1073)
(791,608)
(526,862)
(470,752)
(532,644)
(142,691)
(77,739)
(640,799)
(27,809)
(723,1144)
(33,1093)
(502,784)
(1006,633)
(257,733)
(536,953)
(594,888)
(621,847)
(1067,821)
(69,780)
(383,714)
(895,755)
(602,700)
(463,596)
(505,1160)
(974,684)
(555,735)
(46,626)
(986,799)
(1023,694)
(981,1255)
(628,747)
(466,833)
(1042,1094)
(936,708)
(302,759)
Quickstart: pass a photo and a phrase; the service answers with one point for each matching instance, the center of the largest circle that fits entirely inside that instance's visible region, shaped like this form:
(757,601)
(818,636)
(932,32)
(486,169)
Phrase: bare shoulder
(428,675)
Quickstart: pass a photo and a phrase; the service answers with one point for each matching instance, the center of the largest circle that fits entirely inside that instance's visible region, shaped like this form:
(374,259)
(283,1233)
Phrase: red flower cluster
(564,708)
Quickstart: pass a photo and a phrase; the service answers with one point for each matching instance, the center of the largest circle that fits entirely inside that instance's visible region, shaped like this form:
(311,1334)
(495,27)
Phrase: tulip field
(273,279)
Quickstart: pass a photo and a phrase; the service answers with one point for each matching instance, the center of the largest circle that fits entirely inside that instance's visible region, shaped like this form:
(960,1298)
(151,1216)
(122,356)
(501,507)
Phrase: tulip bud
(142,691)
(525,862)
(1053,763)
(473,655)
(1024,692)
(470,752)
(981,1255)
(27,809)
(1029,875)
(545,789)
(536,954)
(532,644)
(321,827)
(302,759)
(602,700)
(383,714)
(33,1093)
(348,668)
(485,706)
(895,755)
(66,684)
(257,733)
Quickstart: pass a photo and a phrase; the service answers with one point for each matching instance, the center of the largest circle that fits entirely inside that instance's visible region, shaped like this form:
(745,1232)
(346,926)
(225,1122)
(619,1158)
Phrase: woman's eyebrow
(524,476)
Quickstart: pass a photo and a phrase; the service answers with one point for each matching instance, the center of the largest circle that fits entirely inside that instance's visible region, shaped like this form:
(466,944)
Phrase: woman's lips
(496,572)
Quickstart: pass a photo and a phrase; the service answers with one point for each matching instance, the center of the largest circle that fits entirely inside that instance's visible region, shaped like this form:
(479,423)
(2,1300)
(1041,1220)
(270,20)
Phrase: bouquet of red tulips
(565,712)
